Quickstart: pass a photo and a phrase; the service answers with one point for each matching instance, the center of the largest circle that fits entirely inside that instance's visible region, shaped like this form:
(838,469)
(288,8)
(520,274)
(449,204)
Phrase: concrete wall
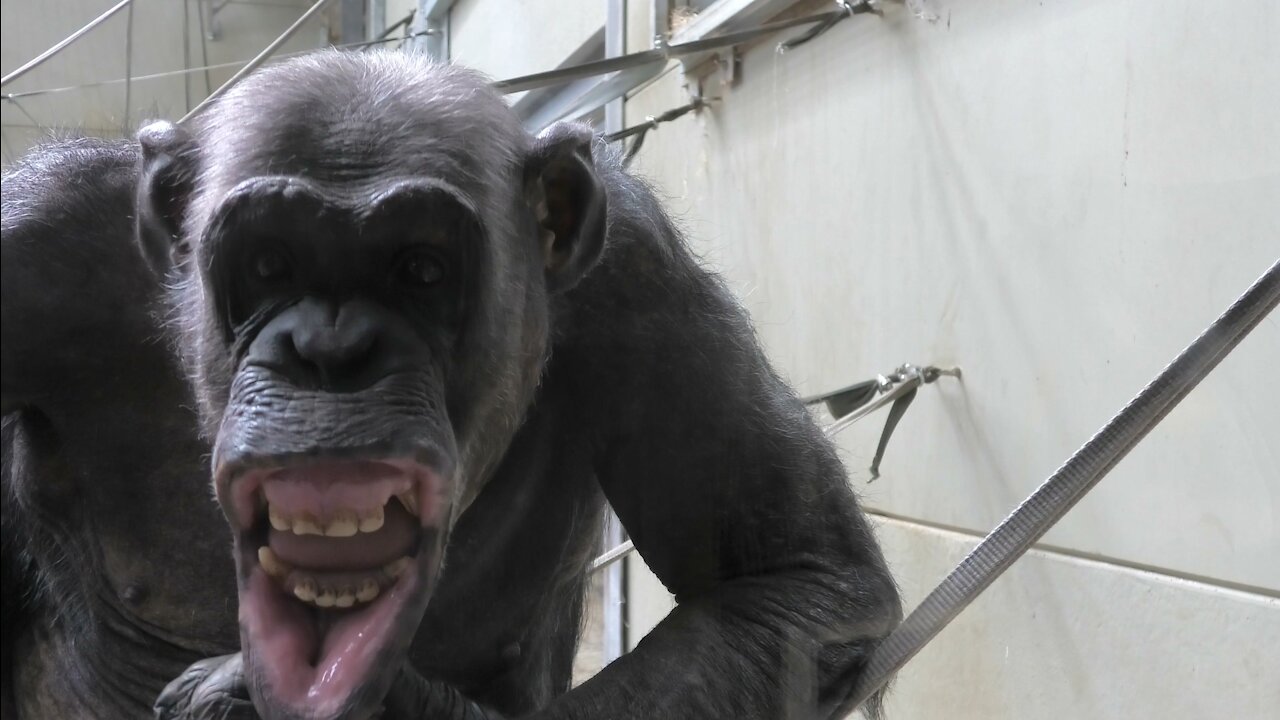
(1056,197)
(28,28)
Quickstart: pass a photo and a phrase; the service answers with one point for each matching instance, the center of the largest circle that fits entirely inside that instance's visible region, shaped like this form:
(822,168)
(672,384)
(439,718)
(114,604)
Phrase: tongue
(364,551)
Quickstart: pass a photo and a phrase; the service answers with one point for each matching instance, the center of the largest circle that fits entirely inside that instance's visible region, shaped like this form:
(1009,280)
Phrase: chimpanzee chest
(504,621)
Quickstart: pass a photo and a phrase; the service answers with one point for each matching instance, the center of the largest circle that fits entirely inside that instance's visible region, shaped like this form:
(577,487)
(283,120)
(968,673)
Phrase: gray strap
(1015,535)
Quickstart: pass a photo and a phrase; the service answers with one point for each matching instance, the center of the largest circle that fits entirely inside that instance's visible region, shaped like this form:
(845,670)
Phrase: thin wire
(8,146)
(569,73)
(258,59)
(186,52)
(396,26)
(128,70)
(366,44)
(62,44)
(543,79)
(652,122)
(34,123)
(176,73)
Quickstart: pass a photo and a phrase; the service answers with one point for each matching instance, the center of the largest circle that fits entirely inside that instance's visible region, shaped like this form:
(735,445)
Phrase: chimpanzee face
(363,248)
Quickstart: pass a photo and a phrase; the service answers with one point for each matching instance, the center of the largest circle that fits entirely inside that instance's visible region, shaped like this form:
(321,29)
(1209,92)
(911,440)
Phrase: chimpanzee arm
(728,488)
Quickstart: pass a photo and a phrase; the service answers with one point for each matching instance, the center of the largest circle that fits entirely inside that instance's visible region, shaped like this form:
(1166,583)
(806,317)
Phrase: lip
(236,481)
(238,488)
(314,660)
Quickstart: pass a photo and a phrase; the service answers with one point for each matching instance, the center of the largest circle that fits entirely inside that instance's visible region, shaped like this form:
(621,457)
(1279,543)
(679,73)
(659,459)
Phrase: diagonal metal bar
(613,555)
(1064,488)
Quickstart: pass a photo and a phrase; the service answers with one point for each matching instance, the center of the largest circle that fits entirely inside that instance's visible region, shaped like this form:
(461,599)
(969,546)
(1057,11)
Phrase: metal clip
(849,10)
(896,389)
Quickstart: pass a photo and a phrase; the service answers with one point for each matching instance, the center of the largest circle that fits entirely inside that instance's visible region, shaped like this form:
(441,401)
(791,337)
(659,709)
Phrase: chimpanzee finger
(211,689)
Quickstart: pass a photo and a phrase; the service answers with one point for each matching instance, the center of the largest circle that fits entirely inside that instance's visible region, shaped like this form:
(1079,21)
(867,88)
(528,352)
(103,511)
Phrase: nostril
(338,353)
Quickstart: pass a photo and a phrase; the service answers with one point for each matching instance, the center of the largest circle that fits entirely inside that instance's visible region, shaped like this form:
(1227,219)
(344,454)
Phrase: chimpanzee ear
(165,183)
(568,198)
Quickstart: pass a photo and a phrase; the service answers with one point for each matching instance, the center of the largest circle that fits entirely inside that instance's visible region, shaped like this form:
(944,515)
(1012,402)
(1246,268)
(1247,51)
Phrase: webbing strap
(1025,525)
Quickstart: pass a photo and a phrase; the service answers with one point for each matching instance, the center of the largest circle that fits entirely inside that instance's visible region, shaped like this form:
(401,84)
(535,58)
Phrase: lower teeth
(310,590)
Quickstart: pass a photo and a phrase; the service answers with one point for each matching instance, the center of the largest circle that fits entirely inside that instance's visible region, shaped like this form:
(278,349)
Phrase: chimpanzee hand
(212,689)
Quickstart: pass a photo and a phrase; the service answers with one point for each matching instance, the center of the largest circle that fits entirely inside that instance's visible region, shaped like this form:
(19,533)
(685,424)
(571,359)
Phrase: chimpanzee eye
(271,265)
(420,268)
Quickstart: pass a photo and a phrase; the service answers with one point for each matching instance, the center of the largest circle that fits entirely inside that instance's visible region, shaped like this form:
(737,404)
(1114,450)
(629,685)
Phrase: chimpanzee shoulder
(99,446)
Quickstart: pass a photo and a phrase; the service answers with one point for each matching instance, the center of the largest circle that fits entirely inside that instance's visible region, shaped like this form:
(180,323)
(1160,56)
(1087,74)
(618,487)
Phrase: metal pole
(128,71)
(37,60)
(432,15)
(259,59)
(376,20)
(613,615)
(614,555)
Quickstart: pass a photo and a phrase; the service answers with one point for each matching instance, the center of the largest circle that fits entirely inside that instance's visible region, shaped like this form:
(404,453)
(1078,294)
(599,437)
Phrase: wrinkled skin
(549,344)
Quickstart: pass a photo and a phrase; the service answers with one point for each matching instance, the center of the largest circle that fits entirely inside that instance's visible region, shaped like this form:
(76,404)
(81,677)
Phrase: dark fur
(643,383)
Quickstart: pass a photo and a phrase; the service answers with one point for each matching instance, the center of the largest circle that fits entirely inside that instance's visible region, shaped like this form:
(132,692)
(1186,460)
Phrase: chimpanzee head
(364,249)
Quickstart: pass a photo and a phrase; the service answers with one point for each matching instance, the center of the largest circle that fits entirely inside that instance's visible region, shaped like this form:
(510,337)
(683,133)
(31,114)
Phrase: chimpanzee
(417,348)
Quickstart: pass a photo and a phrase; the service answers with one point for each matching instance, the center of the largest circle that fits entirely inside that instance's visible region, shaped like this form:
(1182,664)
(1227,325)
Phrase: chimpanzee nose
(325,344)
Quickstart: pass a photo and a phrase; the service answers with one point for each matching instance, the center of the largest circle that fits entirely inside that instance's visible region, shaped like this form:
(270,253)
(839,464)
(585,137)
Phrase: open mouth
(335,557)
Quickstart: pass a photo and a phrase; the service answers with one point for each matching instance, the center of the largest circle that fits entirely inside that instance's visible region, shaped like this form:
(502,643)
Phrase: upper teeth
(343,523)
(371,522)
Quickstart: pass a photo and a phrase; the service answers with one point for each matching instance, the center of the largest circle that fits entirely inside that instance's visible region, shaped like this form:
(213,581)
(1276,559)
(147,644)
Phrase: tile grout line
(1065,552)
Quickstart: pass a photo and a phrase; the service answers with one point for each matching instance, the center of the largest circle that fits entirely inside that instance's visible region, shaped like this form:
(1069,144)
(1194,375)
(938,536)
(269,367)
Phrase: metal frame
(725,16)
(542,106)
(432,15)
(375,19)
(352,21)
(659,23)
(580,99)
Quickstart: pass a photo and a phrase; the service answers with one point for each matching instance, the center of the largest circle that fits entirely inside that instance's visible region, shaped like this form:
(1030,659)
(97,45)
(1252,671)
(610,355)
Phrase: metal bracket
(851,404)
(729,65)
(209,11)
